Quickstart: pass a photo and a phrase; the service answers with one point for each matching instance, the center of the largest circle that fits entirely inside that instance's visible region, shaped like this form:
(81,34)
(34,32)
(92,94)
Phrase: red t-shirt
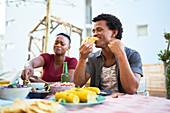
(49,73)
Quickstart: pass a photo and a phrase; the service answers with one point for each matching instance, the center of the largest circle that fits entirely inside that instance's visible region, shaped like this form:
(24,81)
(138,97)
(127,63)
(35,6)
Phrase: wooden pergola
(42,26)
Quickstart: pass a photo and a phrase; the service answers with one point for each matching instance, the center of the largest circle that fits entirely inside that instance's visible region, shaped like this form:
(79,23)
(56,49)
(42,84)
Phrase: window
(142,30)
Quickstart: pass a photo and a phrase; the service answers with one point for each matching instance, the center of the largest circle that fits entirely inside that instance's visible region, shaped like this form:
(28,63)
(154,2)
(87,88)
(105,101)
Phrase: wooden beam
(47,25)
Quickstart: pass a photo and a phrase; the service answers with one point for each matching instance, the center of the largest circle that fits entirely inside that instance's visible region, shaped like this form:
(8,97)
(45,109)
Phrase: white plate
(100,99)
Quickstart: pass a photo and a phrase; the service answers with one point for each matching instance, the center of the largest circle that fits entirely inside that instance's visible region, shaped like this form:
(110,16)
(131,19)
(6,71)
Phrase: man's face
(61,45)
(102,31)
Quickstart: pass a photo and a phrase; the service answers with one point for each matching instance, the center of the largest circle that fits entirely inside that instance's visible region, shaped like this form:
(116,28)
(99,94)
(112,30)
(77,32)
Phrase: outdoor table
(128,104)
(123,104)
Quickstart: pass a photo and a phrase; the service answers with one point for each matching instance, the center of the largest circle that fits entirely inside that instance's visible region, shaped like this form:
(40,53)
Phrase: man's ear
(115,32)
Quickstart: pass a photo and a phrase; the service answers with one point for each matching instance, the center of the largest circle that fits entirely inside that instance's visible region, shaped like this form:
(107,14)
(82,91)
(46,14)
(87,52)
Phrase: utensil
(44,81)
(31,85)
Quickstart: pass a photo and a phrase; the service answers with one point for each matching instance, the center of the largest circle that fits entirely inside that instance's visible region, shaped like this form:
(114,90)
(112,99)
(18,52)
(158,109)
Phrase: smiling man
(114,67)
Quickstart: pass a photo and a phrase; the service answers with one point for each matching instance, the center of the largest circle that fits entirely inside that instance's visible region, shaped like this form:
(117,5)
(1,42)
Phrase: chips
(31,107)
(91,39)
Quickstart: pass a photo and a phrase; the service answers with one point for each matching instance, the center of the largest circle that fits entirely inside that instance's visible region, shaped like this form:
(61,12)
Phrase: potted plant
(165,57)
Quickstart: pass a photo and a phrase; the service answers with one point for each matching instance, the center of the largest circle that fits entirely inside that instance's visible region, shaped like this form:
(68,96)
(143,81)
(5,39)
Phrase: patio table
(128,104)
(122,104)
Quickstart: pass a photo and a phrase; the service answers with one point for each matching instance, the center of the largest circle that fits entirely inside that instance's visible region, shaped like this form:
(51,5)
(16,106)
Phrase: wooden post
(47,25)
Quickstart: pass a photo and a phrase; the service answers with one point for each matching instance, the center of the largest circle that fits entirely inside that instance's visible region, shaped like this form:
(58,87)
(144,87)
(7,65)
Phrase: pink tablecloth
(128,104)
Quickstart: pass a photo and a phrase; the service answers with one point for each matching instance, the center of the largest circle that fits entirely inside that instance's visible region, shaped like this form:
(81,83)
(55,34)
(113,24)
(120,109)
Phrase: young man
(114,67)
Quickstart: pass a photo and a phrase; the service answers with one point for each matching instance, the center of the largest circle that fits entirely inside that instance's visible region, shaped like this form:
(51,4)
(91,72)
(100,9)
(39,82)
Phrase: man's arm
(129,80)
(80,76)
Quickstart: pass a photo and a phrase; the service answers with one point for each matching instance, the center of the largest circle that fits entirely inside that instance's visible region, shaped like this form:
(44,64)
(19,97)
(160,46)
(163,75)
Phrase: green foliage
(165,57)
(168,70)
(162,56)
(167,35)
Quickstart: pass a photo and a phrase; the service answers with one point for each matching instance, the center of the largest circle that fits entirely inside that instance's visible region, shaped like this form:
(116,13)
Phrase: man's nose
(95,34)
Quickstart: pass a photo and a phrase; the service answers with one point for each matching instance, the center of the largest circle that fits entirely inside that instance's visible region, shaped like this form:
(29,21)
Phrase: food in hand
(91,39)
(69,97)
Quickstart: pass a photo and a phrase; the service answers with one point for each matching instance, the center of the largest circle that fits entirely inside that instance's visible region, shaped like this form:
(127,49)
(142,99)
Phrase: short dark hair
(66,35)
(112,22)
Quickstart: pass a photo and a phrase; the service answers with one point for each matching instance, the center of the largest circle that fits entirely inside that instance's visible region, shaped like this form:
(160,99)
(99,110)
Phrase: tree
(165,57)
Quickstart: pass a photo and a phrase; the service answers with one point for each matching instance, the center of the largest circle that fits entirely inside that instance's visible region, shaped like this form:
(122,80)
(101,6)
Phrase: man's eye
(56,43)
(99,29)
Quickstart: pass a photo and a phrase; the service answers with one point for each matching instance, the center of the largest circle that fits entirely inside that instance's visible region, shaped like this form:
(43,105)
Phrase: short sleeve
(72,63)
(46,58)
(136,63)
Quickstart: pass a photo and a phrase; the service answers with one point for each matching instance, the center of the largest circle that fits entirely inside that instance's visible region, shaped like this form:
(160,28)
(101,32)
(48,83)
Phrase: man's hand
(117,47)
(85,50)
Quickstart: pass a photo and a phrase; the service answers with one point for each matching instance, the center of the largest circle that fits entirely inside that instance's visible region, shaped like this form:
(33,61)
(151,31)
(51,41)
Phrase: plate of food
(79,97)
(38,106)
(99,99)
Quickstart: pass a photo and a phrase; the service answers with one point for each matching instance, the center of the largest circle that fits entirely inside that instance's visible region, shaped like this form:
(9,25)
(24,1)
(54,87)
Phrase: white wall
(27,15)
(2,33)
(154,13)
(131,13)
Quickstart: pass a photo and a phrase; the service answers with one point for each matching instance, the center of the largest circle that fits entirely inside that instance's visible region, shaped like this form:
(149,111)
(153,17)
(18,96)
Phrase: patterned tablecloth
(122,104)
(128,104)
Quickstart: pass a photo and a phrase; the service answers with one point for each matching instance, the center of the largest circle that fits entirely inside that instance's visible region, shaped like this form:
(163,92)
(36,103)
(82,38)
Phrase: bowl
(55,89)
(14,93)
(58,86)
(37,85)
(38,94)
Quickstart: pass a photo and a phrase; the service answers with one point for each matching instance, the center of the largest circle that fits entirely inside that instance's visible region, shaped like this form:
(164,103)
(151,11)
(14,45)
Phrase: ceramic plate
(99,99)
(105,92)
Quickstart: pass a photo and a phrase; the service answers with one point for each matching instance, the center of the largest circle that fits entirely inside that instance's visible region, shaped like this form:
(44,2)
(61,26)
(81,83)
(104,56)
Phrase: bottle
(65,76)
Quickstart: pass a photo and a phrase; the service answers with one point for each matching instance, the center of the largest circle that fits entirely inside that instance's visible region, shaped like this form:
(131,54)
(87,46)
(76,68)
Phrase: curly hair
(112,22)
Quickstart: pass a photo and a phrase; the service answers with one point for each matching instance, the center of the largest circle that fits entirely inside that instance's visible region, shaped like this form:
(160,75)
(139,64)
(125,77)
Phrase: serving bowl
(38,94)
(13,93)
(61,87)
(37,85)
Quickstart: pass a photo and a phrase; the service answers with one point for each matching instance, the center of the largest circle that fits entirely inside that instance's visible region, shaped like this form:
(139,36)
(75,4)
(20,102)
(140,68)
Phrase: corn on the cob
(95,89)
(69,97)
(84,95)
(91,39)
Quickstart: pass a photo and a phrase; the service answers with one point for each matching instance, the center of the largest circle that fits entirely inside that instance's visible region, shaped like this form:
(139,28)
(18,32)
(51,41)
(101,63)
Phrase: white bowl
(37,85)
(14,93)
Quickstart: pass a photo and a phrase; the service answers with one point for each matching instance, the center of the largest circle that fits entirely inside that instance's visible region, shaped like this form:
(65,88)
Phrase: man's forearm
(127,77)
(79,74)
